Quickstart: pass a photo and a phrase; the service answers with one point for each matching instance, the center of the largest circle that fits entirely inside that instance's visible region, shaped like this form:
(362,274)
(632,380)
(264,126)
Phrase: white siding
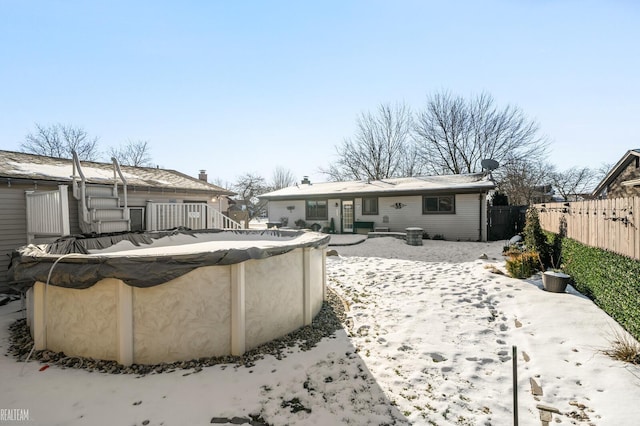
(335,213)
(278,210)
(464,225)
(399,219)
(13,225)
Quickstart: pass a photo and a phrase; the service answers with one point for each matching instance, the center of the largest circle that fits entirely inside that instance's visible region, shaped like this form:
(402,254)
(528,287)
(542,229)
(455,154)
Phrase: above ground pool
(171,296)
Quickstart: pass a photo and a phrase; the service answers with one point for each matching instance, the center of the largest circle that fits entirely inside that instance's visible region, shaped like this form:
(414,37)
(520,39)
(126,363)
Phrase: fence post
(150,219)
(29,227)
(64,210)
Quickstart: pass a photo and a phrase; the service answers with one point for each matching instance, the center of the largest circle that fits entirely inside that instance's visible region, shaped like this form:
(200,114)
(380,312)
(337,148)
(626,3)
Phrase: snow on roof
(474,182)
(18,165)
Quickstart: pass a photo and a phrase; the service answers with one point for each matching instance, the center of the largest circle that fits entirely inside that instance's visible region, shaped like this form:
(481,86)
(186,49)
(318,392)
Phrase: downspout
(480,217)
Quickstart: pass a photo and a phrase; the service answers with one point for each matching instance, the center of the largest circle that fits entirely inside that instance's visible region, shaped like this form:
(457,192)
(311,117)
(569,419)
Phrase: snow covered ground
(429,341)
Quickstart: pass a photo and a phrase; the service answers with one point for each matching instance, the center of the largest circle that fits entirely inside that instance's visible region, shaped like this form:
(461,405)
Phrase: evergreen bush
(535,239)
(611,280)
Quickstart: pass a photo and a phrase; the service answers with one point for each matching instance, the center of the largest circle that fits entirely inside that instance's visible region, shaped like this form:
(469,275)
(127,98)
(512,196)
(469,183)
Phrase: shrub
(611,280)
(523,265)
(300,223)
(624,348)
(534,237)
(555,243)
(512,250)
(438,237)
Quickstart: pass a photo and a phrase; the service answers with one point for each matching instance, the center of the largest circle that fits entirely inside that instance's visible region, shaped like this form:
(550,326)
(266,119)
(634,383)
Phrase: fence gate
(505,221)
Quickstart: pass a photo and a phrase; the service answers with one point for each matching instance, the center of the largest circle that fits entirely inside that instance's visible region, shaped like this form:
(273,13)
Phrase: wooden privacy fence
(612,224)
(505,221)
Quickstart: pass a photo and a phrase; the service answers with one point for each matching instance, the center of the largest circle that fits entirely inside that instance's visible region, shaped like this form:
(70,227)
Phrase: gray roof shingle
(19,165)
(420,184)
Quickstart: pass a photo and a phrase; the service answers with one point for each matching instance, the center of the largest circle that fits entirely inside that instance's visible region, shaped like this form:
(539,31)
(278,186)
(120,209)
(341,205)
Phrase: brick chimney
(203,175)
(305,179)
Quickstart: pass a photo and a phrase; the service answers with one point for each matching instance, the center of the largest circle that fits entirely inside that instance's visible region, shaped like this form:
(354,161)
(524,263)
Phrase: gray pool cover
(82,270)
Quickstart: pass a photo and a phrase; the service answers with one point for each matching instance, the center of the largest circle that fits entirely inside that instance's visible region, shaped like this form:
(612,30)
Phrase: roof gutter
(480,224)
(375,194)
(55,182)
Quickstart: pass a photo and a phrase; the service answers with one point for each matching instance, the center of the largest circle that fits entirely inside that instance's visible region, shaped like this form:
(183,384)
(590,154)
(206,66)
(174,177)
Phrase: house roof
(620,166)
(395,186)
(22,166)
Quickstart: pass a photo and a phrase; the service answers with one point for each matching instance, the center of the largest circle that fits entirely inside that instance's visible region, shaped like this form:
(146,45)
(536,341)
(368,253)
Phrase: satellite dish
(489,164)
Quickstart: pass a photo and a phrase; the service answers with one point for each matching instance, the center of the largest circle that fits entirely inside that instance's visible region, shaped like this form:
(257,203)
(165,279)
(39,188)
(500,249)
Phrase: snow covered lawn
(429,341)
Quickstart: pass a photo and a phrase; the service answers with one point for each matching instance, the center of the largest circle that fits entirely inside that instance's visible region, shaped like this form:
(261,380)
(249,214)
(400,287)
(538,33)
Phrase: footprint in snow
(436,357)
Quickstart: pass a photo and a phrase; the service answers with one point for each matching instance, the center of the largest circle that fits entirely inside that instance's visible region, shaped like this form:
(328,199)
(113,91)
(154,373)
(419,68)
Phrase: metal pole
(514,356)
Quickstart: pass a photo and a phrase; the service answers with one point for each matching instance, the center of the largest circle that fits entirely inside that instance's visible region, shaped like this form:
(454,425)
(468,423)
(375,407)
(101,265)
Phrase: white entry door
(347,216)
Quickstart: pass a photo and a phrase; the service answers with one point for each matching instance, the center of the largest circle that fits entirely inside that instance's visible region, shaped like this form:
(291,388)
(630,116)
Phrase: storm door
(347,216)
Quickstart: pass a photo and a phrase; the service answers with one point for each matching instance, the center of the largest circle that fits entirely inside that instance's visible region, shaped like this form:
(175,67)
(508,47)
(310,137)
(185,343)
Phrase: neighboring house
(238,212)
(542,194)
(155,199)
(623,180)
(453,206)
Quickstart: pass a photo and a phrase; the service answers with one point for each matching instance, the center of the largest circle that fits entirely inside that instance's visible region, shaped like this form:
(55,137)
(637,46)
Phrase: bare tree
(136,154)
(377,149)
(603,170)
(223,183)
(573,182)
(411,162)
(336,173)
(282,178)
(249,186)
(526,182)
(58,140)
(455,134)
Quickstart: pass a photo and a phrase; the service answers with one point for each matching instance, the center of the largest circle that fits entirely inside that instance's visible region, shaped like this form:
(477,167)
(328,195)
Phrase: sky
(247,86)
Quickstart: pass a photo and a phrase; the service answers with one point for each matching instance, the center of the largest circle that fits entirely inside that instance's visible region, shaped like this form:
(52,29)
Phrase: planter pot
(555,282)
